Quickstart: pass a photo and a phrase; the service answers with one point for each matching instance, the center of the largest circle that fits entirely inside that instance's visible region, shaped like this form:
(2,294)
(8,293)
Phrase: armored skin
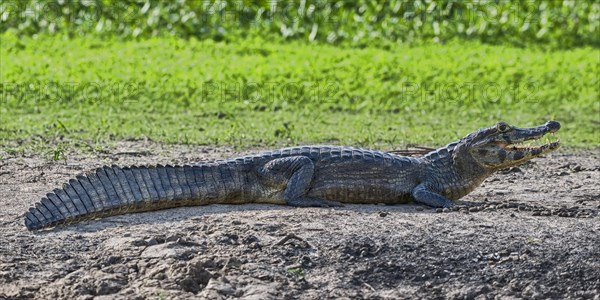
(322,176)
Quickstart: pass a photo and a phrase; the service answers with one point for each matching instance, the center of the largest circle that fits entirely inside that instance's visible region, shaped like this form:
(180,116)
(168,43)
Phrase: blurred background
(257,74)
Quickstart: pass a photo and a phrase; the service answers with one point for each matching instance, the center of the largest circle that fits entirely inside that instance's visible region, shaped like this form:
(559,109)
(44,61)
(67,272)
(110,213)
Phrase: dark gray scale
(219,174)
(236,177)
(81,194)
(235,170)
(64,211)
(368,155)
(45,212)
(67,208)
(51,213)
(304,151)
(68,193)
(149,184)
(183,182)
(174,181)
(29,222)
(385,158)
(324,150)
(53,209)
(225,175)
(199,179)
(113,198)
(346,153)
(137,174)
(55,215)
(34,215)
(212,191)
(214,176)
(295,151)
(443,152)
(286,152)
(357,154)
(191,180)
(153,172)
(91,192)
(99,188)
(124,183)
(116,184)
(434,156)
(166,183)
(276,153)
(136,192)
(335,152)
(315,152)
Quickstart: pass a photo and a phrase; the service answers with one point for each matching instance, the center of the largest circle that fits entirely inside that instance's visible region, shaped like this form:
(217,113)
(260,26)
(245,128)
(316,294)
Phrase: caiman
(320,176)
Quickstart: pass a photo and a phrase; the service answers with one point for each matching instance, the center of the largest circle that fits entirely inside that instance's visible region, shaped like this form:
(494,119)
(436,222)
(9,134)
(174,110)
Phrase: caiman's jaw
(505,145)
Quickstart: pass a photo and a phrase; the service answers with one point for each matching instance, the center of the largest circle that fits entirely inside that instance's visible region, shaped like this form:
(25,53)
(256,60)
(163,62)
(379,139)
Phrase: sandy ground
(530,232)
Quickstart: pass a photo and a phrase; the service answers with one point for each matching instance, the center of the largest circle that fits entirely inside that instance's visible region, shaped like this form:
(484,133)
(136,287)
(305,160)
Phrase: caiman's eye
(502,127)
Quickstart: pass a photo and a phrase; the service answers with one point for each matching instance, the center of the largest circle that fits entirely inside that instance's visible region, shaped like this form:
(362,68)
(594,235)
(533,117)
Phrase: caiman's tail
(118,190)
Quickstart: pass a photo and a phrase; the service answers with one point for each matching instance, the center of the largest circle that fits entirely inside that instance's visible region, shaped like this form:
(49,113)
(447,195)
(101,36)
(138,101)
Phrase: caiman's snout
(553,126)
(507,145)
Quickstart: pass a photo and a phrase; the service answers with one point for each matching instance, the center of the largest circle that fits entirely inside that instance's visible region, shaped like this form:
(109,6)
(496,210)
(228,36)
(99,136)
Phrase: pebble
(383,214)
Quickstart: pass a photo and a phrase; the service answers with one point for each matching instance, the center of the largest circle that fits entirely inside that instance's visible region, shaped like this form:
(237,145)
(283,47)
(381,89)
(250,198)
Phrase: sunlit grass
(86,92)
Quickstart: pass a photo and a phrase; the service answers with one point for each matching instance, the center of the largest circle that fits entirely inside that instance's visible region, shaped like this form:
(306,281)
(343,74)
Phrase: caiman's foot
(422,196)
(313,202)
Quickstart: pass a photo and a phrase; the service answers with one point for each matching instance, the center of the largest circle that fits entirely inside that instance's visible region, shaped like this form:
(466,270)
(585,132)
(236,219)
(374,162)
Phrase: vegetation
(555,23)
(159,74)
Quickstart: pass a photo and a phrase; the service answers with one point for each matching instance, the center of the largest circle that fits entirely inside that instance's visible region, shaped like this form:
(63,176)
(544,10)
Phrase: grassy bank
(59,93)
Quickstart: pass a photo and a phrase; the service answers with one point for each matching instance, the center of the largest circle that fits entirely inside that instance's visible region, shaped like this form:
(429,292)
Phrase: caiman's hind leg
(298,172)
(424,196)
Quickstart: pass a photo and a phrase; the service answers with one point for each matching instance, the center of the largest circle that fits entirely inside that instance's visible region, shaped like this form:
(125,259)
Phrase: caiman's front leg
(298,171)
(424,196)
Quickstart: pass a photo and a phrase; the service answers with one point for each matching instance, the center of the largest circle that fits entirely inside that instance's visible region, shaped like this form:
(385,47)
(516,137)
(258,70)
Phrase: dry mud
(531,232)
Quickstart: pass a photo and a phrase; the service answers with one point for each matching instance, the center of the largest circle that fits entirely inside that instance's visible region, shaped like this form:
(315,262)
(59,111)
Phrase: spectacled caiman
(321,176)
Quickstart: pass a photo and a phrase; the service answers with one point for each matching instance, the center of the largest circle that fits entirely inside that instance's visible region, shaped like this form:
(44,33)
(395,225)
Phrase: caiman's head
(504,145)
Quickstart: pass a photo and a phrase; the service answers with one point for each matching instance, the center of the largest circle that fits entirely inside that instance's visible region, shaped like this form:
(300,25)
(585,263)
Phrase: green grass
(59,93)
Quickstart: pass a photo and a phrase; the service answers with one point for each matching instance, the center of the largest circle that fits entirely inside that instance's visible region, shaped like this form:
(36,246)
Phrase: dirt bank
(531,232)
